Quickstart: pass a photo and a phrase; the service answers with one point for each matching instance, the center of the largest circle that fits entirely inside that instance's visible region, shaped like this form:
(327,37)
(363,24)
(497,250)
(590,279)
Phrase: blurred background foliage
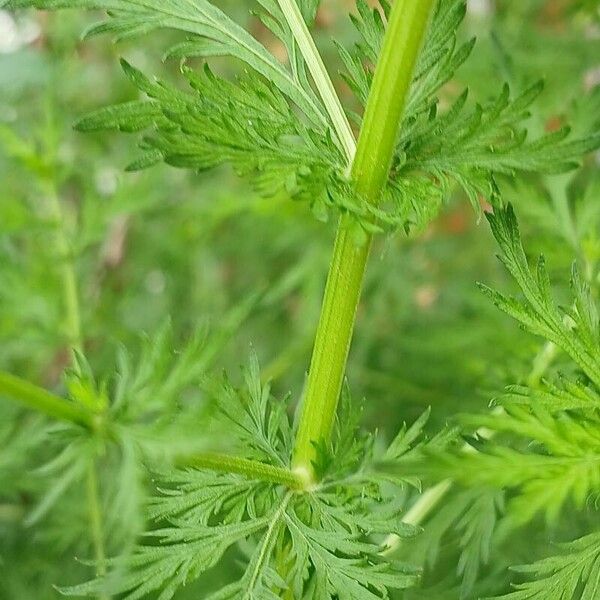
(166,246)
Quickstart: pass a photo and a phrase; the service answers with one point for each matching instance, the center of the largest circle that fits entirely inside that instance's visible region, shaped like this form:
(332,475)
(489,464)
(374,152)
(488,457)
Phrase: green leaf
(566,395)
(538,311)
(472,147)
(560,462)
(313,543)
(216,33)
(573,574)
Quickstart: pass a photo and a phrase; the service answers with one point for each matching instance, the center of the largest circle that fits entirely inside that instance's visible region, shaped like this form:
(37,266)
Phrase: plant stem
(67,273)
(267,544)
(95,511)
(318,71)
(541,363)
(427,501)
(73,332)
(331,347)
(249,468)
(39,399)
(370,170)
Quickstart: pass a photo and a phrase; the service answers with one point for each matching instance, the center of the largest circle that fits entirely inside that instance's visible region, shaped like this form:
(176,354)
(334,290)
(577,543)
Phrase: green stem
(95,512)
(320,76)
(251,469)
(541,363)
(32,396)
(427,501)
(370,170)
(331,347)
(67,273)
(74,336)
(266,547)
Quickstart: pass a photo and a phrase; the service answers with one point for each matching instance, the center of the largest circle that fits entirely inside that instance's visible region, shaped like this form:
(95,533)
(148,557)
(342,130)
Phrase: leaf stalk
(320,76)
(251,469)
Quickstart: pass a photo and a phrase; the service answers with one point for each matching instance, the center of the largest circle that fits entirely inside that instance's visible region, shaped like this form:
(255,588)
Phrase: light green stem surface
(32,396)
(320,76)
(370,169)
(74,336)
(251,469)
(67,273)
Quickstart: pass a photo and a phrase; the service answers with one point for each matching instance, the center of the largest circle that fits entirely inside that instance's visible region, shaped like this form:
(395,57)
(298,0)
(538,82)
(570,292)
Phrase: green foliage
(574,329)
(472,516)
(317,544)
(571,574)
(540,450)
(250,124)
(558,465)
(139,416)
(472,148)
(469,147)
(177,480)
(545,448)
(213,34)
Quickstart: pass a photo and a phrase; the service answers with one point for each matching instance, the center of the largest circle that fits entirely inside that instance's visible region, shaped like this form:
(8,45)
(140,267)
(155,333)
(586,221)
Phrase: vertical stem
(370,170)
(66,272)
(97,530)
(73,332)
(331,347)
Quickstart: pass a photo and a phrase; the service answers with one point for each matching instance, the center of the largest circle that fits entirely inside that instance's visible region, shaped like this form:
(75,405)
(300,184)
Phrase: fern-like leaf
(573,574)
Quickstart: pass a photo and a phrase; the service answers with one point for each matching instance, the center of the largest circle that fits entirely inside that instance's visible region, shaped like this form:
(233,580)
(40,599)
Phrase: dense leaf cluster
(317,544)
(272,127)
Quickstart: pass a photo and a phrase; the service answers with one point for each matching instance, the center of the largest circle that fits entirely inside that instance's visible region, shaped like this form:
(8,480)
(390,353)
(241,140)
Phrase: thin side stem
(67,273)
(370,170)
(32,396)
(267,544)
(73,331)
(427,501)
(95,512)
(225,463)
(320,76)
(541,363)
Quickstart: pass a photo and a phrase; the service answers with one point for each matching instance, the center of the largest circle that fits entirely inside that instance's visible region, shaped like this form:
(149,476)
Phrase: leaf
(189,552)
(439,150)
(477,526)
(573,574)
(215,32)
(319,544)
(538,312)
(566,395)
(472,147)
(360,574)
(559,464)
